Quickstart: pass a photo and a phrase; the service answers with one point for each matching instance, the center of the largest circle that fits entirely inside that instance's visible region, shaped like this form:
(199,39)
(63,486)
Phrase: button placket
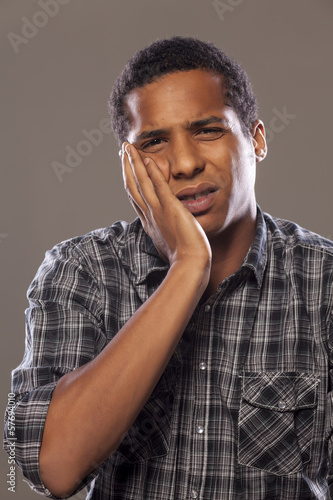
(201,370)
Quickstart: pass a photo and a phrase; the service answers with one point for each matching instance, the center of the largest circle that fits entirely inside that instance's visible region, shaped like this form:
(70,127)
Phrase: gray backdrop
(59,60)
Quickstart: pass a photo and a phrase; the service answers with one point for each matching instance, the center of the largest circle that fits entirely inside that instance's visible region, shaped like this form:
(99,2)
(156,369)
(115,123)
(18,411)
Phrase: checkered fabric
(244,408)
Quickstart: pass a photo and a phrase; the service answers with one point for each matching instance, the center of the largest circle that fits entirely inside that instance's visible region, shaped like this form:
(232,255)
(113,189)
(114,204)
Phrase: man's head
(197,121)
(181,54)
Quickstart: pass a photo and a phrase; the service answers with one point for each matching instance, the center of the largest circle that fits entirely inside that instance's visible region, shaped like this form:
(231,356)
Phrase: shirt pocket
(276,419)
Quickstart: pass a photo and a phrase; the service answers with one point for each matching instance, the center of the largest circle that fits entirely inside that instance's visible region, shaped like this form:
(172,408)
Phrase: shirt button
(200,429)
(282,404)
(202,366)
(194,494)
(207,308)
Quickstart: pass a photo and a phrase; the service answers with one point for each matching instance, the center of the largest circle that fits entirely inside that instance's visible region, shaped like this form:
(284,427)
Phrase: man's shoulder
(122,244)
(116,237)
(94,255)
(293,236)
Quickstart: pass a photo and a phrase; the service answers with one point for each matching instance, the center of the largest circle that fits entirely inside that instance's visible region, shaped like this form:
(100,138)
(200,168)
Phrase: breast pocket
(276,420)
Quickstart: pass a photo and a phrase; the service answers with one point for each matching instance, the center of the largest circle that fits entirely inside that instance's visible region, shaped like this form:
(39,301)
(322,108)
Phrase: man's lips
(199,198)
(195,191)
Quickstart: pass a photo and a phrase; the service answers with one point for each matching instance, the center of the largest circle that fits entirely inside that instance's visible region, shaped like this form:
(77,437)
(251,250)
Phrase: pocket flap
(280,391)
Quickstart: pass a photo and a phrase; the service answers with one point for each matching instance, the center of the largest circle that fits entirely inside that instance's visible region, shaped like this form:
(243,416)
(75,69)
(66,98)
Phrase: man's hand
(174,230)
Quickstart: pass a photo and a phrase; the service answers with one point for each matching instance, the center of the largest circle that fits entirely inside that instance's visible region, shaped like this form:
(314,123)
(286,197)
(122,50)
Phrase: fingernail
(128,150)
(146,161)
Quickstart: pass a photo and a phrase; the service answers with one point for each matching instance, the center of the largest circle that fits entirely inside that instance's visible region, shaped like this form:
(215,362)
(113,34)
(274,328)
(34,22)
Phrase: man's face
(182,122)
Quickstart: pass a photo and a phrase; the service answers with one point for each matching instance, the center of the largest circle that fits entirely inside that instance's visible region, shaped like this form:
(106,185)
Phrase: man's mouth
(198,199)
(195,196)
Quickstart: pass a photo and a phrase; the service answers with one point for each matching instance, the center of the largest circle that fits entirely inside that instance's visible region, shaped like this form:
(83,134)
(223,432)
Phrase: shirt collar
(143,258)
(140,253)
(256,257)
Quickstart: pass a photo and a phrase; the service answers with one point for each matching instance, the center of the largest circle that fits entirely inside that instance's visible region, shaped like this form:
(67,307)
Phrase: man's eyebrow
(207,121)
(151,134)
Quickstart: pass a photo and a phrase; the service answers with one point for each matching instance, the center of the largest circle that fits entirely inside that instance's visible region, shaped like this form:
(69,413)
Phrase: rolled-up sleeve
(329,407)
(64,330)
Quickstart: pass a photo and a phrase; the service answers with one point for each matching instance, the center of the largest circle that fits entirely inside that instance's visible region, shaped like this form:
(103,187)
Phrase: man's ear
(259,140)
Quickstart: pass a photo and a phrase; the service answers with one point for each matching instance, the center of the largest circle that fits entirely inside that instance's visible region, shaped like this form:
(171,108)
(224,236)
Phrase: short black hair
(181,54)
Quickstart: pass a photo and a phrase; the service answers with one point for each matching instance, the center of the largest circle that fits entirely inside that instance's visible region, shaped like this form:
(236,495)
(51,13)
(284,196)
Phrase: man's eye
(151,145)
(210,133)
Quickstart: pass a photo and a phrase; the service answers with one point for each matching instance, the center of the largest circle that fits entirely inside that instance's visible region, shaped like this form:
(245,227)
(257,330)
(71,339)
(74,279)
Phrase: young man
(186,353)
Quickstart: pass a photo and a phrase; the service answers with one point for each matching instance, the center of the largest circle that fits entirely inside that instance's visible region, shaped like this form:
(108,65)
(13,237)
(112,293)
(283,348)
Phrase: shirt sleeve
(64,330)
(329,408)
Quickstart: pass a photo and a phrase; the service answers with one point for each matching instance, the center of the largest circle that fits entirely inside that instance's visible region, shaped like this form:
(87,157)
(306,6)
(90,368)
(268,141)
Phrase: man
(186,353)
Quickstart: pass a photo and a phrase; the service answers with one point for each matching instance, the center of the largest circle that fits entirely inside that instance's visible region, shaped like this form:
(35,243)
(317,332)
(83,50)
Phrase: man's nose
(184,158)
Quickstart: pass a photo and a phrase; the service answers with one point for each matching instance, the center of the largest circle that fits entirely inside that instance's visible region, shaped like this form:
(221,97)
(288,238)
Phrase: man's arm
(102,398)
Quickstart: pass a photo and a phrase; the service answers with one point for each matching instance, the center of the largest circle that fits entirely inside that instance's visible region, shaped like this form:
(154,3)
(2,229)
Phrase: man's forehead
(170,79)
(178,98)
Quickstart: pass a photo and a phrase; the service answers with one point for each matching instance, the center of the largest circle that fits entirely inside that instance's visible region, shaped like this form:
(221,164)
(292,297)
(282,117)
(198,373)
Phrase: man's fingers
(139,212)
(149,181)
(161,186)
(144,182)
(133,193)
(131,184)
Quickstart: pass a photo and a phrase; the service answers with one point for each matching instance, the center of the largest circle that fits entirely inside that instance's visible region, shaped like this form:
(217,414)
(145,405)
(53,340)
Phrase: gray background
(57,85)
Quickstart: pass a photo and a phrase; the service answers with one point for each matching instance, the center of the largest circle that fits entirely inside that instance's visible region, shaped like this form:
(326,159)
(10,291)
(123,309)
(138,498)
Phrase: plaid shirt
(244,408)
